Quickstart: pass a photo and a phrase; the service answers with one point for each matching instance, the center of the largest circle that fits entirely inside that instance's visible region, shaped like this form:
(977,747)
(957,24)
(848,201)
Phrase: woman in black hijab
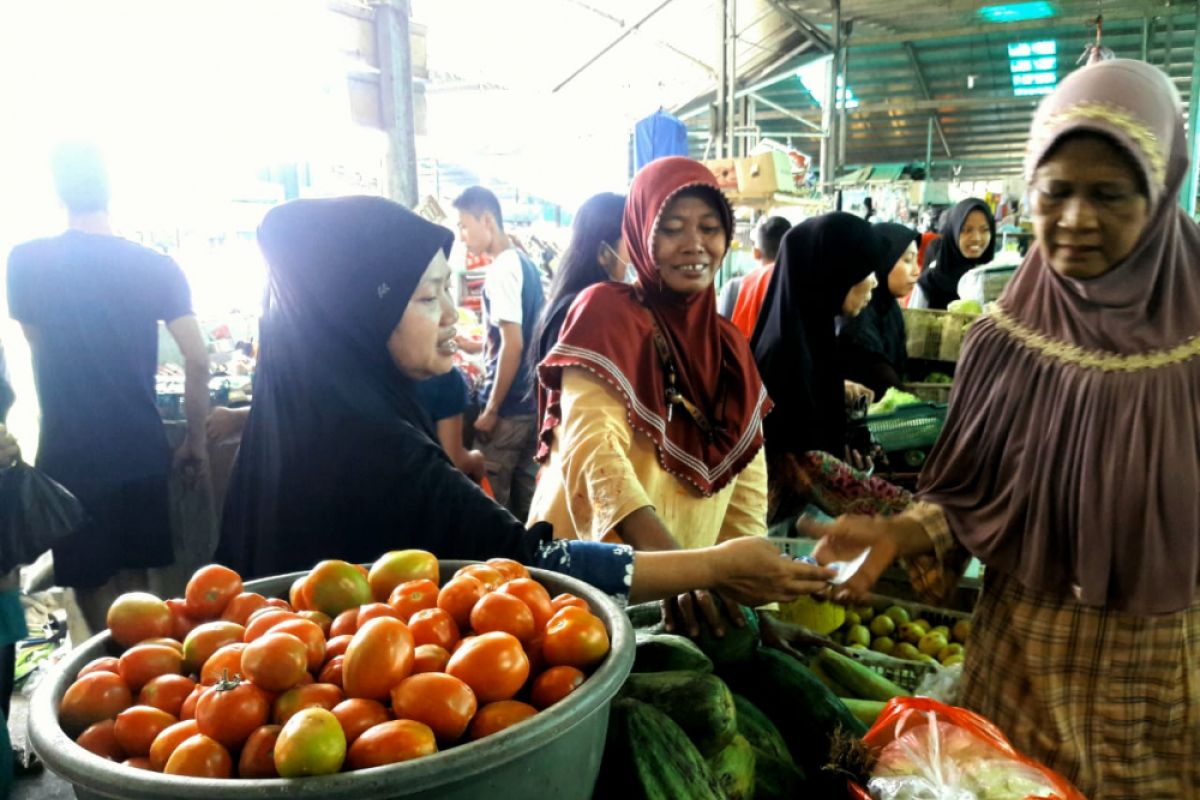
(968,240)
(339,459)
(872,345)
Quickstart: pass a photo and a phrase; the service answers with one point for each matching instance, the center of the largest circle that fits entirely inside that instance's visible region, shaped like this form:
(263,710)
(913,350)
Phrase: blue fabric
(520,400)
(608,567)
(658,136)
(444,396)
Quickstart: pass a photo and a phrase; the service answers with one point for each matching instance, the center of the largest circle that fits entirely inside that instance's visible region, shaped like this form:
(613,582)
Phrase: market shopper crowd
(669,437)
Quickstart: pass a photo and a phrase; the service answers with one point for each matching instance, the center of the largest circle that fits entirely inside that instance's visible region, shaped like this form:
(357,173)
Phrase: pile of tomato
(358,668)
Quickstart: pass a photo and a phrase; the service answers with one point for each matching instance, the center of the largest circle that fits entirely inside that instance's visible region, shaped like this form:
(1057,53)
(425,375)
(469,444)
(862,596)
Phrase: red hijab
(610,332)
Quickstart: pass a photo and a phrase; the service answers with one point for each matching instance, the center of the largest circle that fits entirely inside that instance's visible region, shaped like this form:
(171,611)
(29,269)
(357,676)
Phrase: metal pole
(396,98)
(731,92)
(843,93)
(929,149)
(1193,177)
(831,99)
(1146,38)
(722,77)
(624,34)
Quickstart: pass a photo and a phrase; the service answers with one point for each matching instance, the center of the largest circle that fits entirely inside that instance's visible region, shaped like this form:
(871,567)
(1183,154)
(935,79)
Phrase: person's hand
(858,461)
(225,422)
(751,571)
(854,391)
(486,422)
(473,465)
(191,459)
(847,536)
(10,451)
(679,613)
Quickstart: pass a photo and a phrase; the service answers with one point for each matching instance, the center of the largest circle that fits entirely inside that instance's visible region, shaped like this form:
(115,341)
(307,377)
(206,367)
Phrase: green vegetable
(758,729)
(892,399)
(660,652)
(965,307)
(867,711)
(699,702)
(862,682)
(737,645)
(646,616)
(649,757)
(938,377)
(733,769)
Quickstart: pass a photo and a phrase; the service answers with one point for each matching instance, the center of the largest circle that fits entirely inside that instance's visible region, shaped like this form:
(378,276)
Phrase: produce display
(357,668)
(973,307)
(892,399)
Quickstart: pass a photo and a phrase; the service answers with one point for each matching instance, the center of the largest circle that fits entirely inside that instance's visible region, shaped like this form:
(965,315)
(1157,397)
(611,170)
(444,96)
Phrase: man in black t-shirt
(90,303)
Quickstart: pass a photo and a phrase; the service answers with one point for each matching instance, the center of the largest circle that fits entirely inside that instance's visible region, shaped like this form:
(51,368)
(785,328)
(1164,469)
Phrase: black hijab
(945,263)
(795,340)
(339,459)
(876,337)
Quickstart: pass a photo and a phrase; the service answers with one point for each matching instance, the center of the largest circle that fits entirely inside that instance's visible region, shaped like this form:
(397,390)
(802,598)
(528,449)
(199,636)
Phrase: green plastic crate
(914,427)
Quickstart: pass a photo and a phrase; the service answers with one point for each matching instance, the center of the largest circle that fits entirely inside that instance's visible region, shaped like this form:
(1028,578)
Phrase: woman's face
(689,245)
(905,272)
(613,258)
(975,235)
(422,345)
(858,296)
(1088,207)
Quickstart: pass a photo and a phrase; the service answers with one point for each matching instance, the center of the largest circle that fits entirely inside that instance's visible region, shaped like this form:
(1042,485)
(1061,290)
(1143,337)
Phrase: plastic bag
(35,514)
(931,751)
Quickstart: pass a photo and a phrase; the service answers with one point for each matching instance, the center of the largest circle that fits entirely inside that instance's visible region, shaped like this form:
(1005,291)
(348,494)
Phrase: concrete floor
(45,785)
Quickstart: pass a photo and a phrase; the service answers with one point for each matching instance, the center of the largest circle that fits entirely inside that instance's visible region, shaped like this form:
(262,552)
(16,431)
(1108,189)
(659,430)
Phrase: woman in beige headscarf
(1070,462)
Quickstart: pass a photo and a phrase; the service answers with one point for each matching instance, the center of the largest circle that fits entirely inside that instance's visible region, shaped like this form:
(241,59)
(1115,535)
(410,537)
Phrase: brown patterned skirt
(1110,700)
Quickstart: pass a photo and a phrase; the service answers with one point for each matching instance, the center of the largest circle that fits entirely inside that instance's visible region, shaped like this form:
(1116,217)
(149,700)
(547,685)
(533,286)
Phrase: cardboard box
(726,171)
(765,174)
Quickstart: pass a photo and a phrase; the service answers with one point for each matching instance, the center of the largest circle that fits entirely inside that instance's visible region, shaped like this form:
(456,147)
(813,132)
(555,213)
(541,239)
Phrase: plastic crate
(935,335)
(914,427)
(907,674)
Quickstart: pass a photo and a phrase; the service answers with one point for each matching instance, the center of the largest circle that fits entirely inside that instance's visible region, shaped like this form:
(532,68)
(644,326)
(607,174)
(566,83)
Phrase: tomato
(275,662)
(489,576)
(165,743)
(101,740)
(503,612)
(242,606)
(135,616)
(495,717)
(102,664)
(537,661)
(492,664)
(434,626)
(200,757)
(210,590)
(332,672)
(300,594)
(315,695)
(206,639)
(394,568)
(567,599)
(337,645)
(345,623)
(279,602)
(225,663)
(336,586)
(575,638)
(181,623)
(230,711)
(459,596)
(258,753)
(511,570)
(138,762)
(372,611)
(534,595)
(142,663)
(430,658)
(390,743)
(356,715)
(311,743)
(94,697)
(167,692)
(412,596)
(441,701)
(167,641)
(322,620)
(261,623)
(554,684)
(458,645)
(311,635)
(379,657)
(137,727)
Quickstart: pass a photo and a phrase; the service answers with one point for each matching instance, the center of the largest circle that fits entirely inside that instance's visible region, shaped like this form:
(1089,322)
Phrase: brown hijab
(1071,456)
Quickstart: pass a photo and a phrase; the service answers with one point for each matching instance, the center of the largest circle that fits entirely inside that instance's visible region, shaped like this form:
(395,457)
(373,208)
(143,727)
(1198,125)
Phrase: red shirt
(750,299)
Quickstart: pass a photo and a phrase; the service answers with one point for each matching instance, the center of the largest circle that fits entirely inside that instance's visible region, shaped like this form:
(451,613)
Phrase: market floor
(44,785)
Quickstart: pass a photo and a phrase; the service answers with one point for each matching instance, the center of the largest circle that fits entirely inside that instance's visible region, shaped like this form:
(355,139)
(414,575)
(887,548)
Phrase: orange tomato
(200,757)
(379,657)
(336,646)
(534,595)
(345,623)
(575,638)
(537,661)
(300,594)
(336,586)
(310,634)
(135,616)
(412,596)
(101,740)
(371,611)
(258,753)
(441,701)
(225,663)
(167,692)
(206,639)
(263,622)
(315,695)
(332,671)
(357,714)
(142,663)
(430,658)
(165,743)
(390,743)
(102,664)
(502,612)
(188,709)
(181,623)
(137,726)
(94,697)
(279,602)
(322,620)
(495,717)
(210,589)
(242,606)
(434,626)
(138,762)
(394,568)
(554,684)
(230,711)
(567,599)
(492,664)
(490,577)
(275,661)
(459,596)
(511,570)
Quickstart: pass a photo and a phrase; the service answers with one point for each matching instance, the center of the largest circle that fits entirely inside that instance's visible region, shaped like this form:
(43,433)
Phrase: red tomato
(166,641)
(332,671)
(258,753)
(275,662)
(371,611)
(492,664)
(379,657)
(311,743)
(102,664)
(135,616)
(311,635)
(434,626)
(390,743)
(138,726)
(279,602)
(394,568)
(261,623)
(336,586)
(511,570)
(345,623)
(242,606)
(181,623)
(300,595)
(534,595)
(322,620)
(537,661)
(165,743)
(200,757)
(356,715)
(167,692)
(315,695)
(430,658)
(138,762)
(101,740)
(503,612)
(441,701)
(144,662)
(459,596)
(210,590)
(412,596)
(567,599)
(225,663)
(575,638)
(94,697)
(206,639)
(490,577)
(495,717)
(554,684)
(230,711)
(337,645)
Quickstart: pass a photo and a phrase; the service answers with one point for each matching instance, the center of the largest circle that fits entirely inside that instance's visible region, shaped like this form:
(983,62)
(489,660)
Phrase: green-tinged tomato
(335,586)
(401,566)
(311,743)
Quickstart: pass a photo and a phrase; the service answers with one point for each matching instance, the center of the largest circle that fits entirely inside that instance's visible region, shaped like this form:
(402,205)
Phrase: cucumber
(862,682)
(737,646)
(759,730)
(776,778)
(699,702)
(646,616)
(867,711)
(648,757)
(733,769)
(660,652)
(816,669)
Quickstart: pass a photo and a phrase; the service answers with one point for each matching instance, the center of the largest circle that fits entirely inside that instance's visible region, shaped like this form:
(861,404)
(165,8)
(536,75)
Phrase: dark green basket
(914,427)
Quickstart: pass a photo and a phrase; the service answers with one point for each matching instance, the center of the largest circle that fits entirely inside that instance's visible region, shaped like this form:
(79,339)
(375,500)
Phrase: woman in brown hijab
(1070,461)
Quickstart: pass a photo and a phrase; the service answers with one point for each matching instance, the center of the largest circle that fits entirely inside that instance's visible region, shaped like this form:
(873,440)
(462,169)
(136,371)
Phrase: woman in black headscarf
(872,345)
(339,459)
(968,240)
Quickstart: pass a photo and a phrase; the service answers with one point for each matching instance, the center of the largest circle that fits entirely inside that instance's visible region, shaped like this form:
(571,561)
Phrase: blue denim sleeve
(608,567)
